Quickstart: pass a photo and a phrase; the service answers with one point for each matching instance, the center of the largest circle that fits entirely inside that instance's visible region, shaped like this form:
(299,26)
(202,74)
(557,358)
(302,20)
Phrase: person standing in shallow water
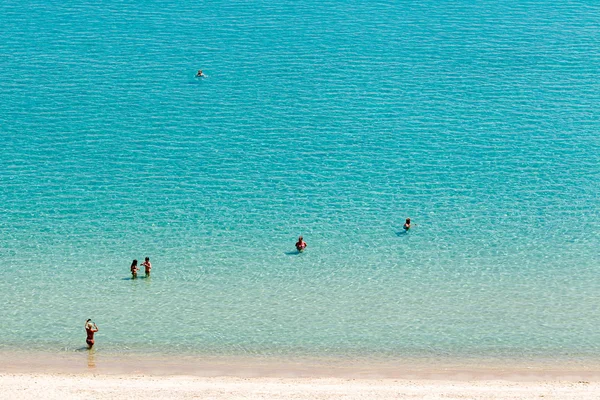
(90,329)
(301,244)
(147,266)
(134,269)
(407,224)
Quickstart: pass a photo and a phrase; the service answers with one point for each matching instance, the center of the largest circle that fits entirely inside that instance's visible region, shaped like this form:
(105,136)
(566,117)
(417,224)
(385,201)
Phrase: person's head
(134,263)
(408,221)
(147,259)
(89,324)
(300,239)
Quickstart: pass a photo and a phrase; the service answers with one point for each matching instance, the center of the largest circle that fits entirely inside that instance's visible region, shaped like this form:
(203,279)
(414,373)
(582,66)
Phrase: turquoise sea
(334,120)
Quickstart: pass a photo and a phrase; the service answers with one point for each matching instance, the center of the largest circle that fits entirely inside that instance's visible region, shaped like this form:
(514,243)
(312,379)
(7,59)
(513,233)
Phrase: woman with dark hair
(407,224)
(134,269)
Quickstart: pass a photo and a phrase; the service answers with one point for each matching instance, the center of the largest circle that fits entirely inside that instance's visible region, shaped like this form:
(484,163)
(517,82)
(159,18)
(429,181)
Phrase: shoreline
(94,362)
(91,374)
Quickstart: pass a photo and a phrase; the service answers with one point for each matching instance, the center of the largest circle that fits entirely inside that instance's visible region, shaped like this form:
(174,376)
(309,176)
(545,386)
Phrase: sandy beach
(79,386)
(84,374)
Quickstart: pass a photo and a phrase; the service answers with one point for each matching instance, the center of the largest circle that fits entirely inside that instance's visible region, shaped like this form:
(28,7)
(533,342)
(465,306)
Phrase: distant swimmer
(301,244)
(200,74)
(407,224)
(90,329)
(134,269)
(147,266)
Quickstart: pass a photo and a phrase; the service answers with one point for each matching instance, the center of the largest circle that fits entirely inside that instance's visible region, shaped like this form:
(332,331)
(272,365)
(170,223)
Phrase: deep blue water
(334,120)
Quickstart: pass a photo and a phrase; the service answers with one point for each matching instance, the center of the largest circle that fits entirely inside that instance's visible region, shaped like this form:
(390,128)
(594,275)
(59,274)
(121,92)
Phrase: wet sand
(99,362)
(85,374)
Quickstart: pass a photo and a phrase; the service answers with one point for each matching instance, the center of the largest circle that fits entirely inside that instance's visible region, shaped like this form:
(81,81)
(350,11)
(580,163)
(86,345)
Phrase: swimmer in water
(407,224)
(134,269)
(200,74)
(147,266)
(301,244)
(90,329)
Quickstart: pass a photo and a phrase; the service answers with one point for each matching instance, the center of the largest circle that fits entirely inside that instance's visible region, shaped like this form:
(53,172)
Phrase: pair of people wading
(146,264)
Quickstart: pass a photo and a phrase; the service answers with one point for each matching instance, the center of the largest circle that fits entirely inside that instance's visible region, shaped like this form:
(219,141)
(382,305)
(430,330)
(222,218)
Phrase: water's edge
(92,362)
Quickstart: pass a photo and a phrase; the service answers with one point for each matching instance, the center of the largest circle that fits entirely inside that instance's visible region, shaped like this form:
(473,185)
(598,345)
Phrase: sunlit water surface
(334,120)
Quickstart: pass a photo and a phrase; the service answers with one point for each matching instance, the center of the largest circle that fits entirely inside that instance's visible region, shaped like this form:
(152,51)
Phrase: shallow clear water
(334,120)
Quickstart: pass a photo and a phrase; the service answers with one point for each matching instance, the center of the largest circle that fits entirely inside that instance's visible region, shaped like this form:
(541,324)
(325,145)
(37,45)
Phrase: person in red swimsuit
(90,329)
(301,244)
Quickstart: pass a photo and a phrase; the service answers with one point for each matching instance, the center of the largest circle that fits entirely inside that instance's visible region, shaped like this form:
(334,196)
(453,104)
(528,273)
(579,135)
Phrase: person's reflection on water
(91,358)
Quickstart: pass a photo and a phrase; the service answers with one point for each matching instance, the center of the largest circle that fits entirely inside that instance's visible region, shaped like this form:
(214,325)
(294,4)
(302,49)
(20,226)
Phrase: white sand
(80,386)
